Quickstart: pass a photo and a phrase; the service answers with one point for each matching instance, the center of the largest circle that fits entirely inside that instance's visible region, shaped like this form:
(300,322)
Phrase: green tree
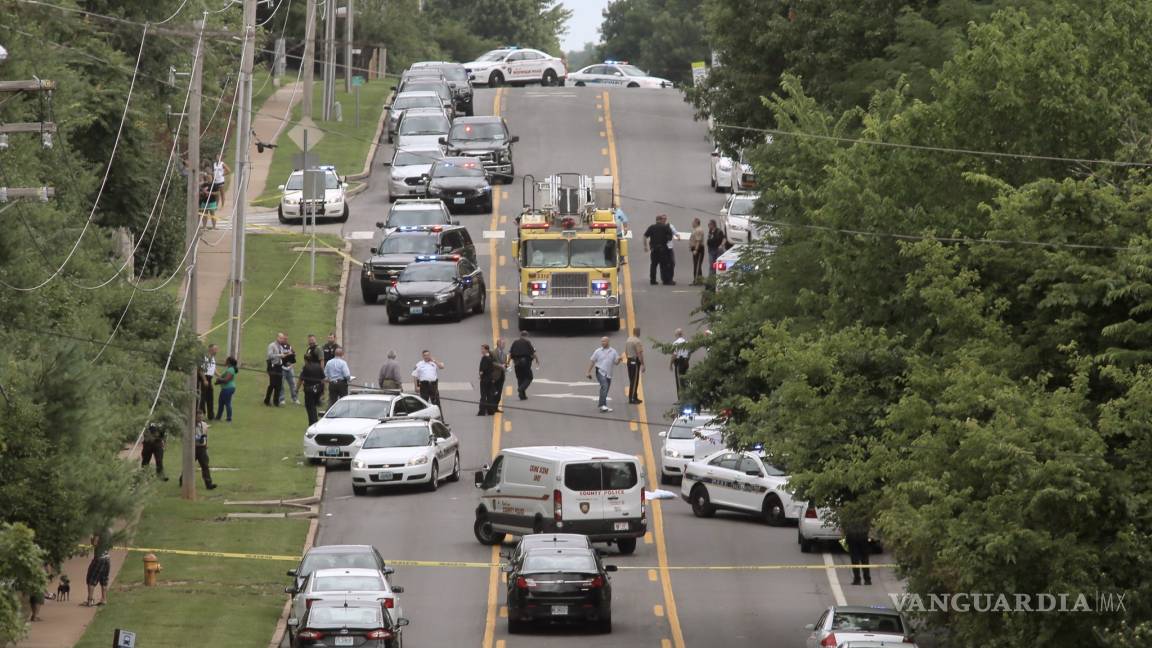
(524,23)
(22,572)
(663,37)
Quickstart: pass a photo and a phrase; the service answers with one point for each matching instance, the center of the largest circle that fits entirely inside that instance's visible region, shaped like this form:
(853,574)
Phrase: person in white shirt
(603,361)
(679,363)
(220,172)
(207,392)
(337,373)
(427,375)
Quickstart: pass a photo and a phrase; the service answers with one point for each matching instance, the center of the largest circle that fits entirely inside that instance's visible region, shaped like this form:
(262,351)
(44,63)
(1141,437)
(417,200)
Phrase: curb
(367,170)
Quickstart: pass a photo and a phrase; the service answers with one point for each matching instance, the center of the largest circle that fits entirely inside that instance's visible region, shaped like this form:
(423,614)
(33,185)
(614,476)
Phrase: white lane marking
(359,236)
(582,396)
(493,234)
(456,386)
(833,580)
(579,383)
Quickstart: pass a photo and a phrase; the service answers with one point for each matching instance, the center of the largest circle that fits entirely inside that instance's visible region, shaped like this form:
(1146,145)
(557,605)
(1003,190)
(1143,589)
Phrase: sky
(584,26)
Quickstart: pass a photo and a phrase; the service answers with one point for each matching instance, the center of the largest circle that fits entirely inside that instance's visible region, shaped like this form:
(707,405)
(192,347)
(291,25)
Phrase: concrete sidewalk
(63,623)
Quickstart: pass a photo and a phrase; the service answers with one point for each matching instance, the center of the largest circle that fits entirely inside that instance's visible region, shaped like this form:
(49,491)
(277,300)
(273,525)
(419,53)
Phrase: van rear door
(598,490)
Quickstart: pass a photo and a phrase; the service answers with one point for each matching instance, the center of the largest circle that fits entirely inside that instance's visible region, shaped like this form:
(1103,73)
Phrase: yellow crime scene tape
(485,565)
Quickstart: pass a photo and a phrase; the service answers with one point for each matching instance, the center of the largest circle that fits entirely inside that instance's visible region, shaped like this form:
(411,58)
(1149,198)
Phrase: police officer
(207,395)
(634,351)
(679,364)
(658,242)
(856,537)
(152,445)
(312,383)
(427,375)
(487,361)
(330,348)
(200,437)
(523,354)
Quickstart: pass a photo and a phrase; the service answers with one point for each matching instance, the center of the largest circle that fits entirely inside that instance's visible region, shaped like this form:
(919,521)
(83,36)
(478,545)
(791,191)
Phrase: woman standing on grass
(227,382)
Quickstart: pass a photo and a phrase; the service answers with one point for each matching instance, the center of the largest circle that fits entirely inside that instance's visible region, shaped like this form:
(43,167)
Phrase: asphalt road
(689,582)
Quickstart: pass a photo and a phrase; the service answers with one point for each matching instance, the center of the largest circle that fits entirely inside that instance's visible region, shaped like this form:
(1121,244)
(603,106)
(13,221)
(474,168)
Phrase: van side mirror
(387,571)
(507,569)
(291,589)
(281,187)
(810,626)
(397,590)
(379,225)
(443,141)
(371,250)
(514,139)
(291,572)
(471,77)
(662,435)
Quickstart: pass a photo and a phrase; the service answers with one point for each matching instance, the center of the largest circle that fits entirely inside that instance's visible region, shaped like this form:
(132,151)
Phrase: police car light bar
(688,411)
(614,62)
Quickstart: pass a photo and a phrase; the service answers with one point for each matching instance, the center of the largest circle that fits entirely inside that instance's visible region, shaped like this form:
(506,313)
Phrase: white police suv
(294,208)
(616,73)
(517,66)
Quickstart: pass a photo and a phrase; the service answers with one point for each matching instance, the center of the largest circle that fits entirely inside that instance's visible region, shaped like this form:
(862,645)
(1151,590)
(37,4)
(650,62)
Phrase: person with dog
(98,570)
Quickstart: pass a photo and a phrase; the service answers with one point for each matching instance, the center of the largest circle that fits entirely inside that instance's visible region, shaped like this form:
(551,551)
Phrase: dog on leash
(64,588)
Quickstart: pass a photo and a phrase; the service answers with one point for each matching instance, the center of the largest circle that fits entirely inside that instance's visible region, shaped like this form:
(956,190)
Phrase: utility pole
(348,47)
(243,132)
(309,62)
(329,58)
(187,464)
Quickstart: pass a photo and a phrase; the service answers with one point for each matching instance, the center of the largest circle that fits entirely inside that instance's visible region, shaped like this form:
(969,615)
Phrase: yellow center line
(494,313)
(657,516)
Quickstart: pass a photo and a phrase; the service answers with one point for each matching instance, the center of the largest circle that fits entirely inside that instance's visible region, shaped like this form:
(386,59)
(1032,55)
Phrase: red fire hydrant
(151,568)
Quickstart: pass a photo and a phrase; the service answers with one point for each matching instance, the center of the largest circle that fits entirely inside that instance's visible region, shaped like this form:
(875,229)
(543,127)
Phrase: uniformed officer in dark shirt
(657,239)
(523,354)
(330,348)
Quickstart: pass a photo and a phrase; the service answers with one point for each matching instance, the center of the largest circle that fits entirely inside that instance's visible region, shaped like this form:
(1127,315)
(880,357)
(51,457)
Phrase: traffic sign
(357,80)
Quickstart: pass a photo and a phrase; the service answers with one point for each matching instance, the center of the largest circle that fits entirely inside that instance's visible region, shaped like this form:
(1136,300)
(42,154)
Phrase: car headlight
(358,464)
(669,452)
(443,297)
(418,461)
(291,201)
(485,189)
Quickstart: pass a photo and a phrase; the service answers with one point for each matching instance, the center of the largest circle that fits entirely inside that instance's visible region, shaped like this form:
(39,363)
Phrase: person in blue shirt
(338,375)
(621,222)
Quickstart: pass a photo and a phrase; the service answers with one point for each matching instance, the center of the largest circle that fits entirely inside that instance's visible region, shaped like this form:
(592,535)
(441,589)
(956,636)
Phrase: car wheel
(773,511)
(359,490)
(549,78)
(459,310)
(515,626)
(280,216)
(496,80)
(579,84)
(315,461)
(343,217)
(393,316)
(479,307)
(605,624)
(455,476)
(434,478)
(482,529)
(701,503)
(633,85)
(806,545)
(627,546)
(369,296)
(665,479)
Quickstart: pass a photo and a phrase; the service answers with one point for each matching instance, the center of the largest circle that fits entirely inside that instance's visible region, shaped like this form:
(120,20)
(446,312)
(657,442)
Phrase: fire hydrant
(151,568)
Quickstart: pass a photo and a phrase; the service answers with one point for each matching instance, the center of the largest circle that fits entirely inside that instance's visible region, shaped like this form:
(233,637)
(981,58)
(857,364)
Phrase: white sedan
(407,167)
(333,205)
(817,525)
(342,430)
(341,584)
(617,73)
(517,66)
(720,169)
(679,445)
(738,481)
(399,453)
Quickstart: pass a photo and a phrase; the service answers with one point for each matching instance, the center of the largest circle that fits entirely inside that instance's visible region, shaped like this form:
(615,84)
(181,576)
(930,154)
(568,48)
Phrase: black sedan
(362,624)
(461,183)
(437,286)
(559,584)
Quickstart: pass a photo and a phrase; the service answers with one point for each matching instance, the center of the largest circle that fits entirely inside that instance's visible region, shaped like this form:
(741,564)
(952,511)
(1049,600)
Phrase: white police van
(562,489)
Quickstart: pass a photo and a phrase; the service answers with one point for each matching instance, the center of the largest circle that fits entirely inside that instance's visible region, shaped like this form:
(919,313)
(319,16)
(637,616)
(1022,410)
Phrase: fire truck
(569,251)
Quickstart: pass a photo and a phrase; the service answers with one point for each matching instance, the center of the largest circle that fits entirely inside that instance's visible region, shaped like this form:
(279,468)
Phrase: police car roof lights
(426,258)
(420,228)
(688,411)
(615,62)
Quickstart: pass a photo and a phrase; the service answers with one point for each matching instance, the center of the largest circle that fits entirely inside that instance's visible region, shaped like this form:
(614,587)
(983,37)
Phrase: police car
(292,205)
(517,66)
(720,171)
(617,73)
(342,429)
(739,481)
(398,453)
(679,445)
(437,285)
(738,214)
(394,252)
(414,212)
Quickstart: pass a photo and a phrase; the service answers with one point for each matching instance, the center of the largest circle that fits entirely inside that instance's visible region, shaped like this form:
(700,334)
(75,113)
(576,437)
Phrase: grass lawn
(230,601)
(342,144)
(262,86)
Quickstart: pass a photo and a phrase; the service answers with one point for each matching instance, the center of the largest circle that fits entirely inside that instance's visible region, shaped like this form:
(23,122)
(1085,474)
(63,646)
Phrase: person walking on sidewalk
(523,354)
(715,243)
(634,352)
(427,378)
(312,384)
(604,359)
(696,245)
(289,373)
(658,240)
(227,382)
(390,373)
(99,570)
(487,361)
(679,363)
(274,366)
(338,375)
(207,396)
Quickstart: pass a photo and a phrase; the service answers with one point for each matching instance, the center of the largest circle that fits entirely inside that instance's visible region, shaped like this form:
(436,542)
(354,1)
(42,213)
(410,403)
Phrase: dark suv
(393,252)
(487,139)
(458,80)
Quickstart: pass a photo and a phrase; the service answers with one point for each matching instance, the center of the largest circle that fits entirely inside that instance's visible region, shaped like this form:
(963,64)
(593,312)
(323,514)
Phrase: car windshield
(537,562)
(596,253)
(426,101)
(682,429)
(546,253)
(455,170)
(773,471)
(348,582)
(407,245)
(494,55)
(428,85)
(414,158)
(454,73)
(351,408)
(423,124)
(314,561)
(741,207)
(600,475)
(441,272)
(477,131)
(408,217)
(296,182)
(632,70)
(867,622)
(338,617)
(397,437)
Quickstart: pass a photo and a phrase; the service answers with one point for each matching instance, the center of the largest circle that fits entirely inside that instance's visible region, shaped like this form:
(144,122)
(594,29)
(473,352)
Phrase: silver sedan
(407,167)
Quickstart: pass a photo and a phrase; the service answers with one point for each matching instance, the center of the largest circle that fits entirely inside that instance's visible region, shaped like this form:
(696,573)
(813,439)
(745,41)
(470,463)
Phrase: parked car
(422,128)
(461,183)
(517,66)
(363,624)
(405,101)
(345,584)
(567,584)
(402,453)
(848,623)
(293,207)
(342,429)
(337,556)
(459,80)
(720,171)
(408,168)
(738,481)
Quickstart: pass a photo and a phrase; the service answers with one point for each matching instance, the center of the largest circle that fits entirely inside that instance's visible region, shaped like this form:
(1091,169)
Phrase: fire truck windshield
(562,253)
(545,253)
(593,253)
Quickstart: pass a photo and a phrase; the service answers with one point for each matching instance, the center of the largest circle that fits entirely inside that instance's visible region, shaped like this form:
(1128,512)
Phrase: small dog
(64,588)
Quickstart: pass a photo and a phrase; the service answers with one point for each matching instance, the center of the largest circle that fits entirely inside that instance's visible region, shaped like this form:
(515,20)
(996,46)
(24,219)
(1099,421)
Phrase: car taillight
(311,635)
(389,602)
(907,640)
(811,513)
(643,505)
(378,634)
(394,282)
(720,266)
(308,603)
(558,507)
(829,641)
(522,583)
(597,582)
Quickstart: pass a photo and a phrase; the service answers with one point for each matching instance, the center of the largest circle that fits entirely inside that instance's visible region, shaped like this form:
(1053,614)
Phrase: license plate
(331,452)
(416,310)
(387,476)
(344,641)
(457,201)
(620,526)
(559,610)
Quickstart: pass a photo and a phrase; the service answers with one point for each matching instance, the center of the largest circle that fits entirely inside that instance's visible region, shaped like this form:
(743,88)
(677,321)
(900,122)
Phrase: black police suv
(460,182)
(393,252)
(363,624)
(458,80)
(437,285)
(566,584)
(487,139)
